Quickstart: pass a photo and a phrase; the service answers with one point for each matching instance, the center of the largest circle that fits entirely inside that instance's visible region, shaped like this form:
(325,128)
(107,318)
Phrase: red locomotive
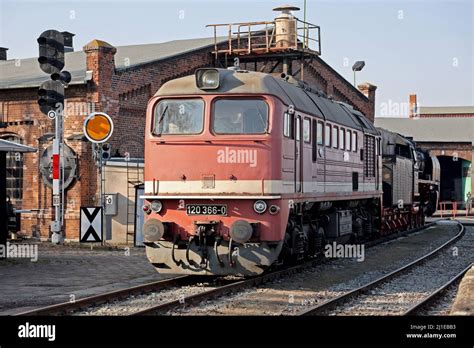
(245,170)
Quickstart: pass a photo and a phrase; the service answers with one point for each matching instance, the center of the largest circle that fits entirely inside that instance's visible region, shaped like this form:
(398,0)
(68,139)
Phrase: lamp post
(358,66)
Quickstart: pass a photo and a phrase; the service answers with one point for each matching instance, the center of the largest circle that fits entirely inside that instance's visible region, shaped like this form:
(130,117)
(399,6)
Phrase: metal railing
(445,205)
(261,37)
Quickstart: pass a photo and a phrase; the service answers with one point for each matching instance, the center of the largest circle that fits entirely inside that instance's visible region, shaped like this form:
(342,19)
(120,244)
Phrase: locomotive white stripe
(253,187)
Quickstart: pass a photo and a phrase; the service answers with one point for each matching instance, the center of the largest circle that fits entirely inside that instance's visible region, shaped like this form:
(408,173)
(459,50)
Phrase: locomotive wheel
(285,254)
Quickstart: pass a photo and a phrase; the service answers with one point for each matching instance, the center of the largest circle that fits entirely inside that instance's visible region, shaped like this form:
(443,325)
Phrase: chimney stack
(68,47)
(3,53)
(413,106)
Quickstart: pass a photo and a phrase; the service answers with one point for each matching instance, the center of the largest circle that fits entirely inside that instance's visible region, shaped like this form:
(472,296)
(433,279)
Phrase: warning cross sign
(91,224)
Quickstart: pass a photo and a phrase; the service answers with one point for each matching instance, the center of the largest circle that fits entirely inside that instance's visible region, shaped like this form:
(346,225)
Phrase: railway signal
(51,51)
(51,103)
(98,128)
(51,98)
(106,149)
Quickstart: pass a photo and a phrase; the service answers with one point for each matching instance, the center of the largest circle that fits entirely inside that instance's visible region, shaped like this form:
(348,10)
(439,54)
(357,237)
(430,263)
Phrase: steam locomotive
(246,170)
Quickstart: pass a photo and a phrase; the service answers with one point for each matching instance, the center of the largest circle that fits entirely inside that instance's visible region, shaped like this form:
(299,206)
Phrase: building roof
(453,129)
(437,110)
(24,73)
(8,146)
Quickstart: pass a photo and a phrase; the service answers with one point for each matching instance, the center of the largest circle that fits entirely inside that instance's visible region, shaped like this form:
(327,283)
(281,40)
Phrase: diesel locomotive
(246,170)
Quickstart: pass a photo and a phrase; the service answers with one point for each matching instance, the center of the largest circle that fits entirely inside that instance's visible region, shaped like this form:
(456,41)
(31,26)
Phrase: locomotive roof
(290,91)
(390,138)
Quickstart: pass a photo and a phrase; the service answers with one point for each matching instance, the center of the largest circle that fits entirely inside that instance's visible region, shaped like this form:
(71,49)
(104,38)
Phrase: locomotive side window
(307,130)
(287,125)
(297,127)
(348,140)
(335,134)
(319,133)
(354,142)
(240,116)
(328,135)
(341,138)
(179,116)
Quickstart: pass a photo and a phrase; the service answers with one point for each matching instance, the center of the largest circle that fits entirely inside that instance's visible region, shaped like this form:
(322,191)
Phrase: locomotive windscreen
(179,116)
(240,116)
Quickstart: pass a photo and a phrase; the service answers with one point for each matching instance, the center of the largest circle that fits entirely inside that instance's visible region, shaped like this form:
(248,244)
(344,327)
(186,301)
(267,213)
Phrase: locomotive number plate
(206,209)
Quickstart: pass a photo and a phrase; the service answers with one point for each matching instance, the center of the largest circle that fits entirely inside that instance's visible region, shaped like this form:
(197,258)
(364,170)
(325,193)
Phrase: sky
(422,47)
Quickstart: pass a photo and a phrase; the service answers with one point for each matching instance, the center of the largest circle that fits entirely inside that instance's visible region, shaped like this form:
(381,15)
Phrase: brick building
(118,81)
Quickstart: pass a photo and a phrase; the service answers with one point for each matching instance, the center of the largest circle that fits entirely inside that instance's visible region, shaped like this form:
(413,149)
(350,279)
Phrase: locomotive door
(298,154)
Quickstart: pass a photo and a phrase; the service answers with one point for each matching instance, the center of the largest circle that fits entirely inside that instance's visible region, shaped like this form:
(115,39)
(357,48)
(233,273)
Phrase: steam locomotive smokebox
(340,224)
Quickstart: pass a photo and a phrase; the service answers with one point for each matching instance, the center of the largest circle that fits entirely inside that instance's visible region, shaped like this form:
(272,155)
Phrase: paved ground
(64,271)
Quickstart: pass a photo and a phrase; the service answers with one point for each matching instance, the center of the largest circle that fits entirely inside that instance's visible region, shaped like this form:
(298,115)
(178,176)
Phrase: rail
(325,307)
(95,300)
(438,293)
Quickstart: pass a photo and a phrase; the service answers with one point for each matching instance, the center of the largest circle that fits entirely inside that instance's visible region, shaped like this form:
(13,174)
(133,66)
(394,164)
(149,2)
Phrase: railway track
(80,304)
(84,304)
(340,301)
(436,295)
(196,299)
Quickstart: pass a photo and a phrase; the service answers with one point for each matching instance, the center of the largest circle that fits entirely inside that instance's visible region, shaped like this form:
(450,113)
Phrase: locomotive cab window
(179,116)
(240,116)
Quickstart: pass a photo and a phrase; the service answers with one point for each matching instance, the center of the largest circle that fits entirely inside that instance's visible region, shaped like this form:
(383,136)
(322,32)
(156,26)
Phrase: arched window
(14,172)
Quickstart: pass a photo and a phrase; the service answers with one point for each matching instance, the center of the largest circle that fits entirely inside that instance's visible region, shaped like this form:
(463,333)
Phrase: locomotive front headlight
(156,206)
(207,78)
(260,206)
